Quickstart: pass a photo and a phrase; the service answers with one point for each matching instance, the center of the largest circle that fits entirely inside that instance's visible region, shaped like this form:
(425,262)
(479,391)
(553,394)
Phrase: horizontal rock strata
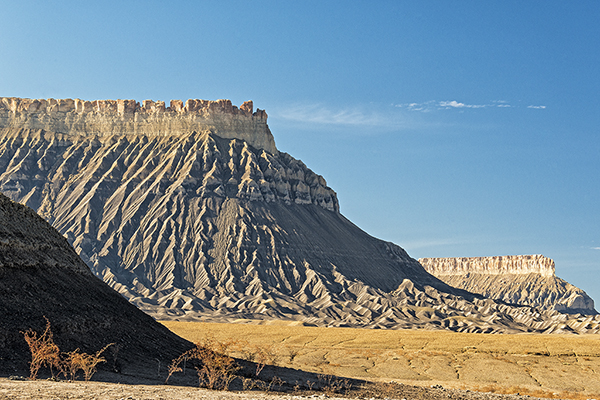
(524,279)
(498,265)
(201,222)
(76,117)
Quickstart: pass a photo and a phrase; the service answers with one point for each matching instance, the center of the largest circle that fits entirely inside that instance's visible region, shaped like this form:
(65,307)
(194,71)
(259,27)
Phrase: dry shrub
(44,352)
(74,361)
(248,384)
(385,389)
(261,357)
(331,385)
(215,369)
(292,353)
(274,383)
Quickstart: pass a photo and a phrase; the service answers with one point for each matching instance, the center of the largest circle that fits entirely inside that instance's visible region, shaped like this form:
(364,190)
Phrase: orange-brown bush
(44,352)
(215,369)
(74,361)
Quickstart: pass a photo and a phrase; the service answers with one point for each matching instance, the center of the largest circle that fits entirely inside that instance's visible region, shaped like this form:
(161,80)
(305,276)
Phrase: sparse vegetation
(332,385)
(531,363)
(75,361)
(212,360)
(44,352)
(215,369)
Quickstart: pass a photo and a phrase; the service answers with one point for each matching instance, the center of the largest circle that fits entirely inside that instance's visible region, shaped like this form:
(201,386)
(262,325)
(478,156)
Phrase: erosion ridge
(206,223)
(42,276)
(522,279)
(129,117)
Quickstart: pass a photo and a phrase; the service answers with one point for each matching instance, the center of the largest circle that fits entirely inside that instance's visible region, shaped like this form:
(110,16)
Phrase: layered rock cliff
(524,279)
(103,118)
(204,221)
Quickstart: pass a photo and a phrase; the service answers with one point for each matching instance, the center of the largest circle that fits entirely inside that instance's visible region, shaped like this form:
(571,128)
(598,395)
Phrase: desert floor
(561,366)
(401,364)
(50,390)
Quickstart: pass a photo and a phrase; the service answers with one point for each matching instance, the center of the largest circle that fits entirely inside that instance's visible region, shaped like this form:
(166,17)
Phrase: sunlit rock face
(190,211)
(105,118)
(524,279)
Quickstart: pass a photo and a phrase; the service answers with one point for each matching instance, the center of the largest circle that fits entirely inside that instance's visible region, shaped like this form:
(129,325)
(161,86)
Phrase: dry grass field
(553,366)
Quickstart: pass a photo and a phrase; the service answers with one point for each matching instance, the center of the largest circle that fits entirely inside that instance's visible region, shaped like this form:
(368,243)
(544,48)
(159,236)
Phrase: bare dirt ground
(305,362)
(551,366)
(50,390)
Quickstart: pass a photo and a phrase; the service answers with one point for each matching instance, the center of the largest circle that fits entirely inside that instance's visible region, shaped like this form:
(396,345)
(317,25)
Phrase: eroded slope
(190,224)
(525,280)
(42,276)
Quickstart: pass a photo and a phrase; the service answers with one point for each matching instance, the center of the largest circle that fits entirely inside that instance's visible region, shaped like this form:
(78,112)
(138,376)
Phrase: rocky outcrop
(42,276)
(525,280)
(201,223)
(498,265)
(103,118)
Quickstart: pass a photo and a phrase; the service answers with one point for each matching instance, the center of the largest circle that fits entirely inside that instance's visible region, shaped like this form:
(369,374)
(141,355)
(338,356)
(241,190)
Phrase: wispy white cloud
(369,116)
(595,248)
(434,105)
(377,117)
(456,104)
(316,113)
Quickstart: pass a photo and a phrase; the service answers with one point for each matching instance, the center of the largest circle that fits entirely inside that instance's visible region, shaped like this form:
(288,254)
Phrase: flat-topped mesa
(524,280)
(75,117)
(498,265)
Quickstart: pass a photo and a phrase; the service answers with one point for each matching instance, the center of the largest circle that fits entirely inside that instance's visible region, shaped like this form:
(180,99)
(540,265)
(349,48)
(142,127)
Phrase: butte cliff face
(190,211)
(525,280)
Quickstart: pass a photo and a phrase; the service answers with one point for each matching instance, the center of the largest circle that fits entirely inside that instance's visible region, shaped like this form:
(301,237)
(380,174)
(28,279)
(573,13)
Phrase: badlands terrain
(41,276)
(191,212)
(527,280)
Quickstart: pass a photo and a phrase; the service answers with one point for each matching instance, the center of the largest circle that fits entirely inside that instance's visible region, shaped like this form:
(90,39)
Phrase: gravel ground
(46,389)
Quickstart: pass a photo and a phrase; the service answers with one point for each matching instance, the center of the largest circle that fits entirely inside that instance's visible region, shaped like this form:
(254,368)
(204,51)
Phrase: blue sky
(450,128)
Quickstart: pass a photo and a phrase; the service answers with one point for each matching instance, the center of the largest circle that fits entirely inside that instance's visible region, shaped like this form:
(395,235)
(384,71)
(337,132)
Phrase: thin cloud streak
(322,115)
(434,105)
(456,104)
(368,116)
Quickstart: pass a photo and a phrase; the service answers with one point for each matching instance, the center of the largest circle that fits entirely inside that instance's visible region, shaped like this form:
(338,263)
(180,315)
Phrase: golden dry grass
(562,366)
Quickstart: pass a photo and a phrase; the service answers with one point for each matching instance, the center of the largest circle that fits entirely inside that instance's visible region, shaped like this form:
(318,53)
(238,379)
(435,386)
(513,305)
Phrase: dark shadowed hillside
(41,275)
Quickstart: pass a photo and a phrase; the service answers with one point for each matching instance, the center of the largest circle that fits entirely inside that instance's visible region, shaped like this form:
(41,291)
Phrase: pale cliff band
(498,265)
(126,117)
